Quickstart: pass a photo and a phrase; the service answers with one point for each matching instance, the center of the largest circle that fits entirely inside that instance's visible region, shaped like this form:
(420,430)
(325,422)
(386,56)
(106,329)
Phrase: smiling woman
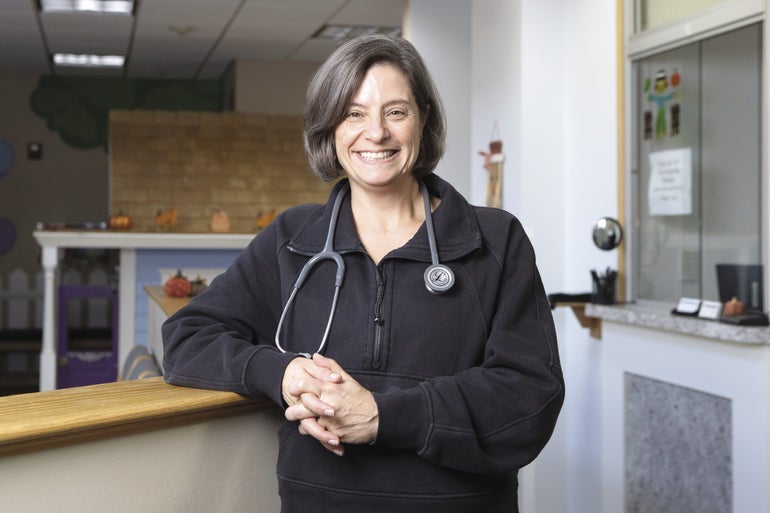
(396,414)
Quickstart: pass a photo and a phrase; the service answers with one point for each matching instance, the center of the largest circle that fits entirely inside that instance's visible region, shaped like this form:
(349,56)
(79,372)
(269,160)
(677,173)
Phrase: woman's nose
(376,129)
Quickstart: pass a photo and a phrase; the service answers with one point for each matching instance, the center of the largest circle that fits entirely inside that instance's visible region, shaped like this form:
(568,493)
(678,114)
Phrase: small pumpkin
(177,286)
(264,219)
(197,286)
(120,221)
(166,220)
(220,221)
(733,307)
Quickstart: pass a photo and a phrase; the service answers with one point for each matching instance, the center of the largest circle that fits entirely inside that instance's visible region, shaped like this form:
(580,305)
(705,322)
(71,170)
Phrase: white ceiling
(184,38)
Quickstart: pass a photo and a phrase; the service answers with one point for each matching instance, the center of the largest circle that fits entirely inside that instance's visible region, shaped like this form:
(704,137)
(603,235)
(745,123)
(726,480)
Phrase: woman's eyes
(392,113)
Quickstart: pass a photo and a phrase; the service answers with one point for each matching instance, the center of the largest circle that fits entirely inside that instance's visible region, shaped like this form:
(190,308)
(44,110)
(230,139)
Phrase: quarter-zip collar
(455,224)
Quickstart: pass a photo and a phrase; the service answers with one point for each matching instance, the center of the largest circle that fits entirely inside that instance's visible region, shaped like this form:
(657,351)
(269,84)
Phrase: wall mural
(78,107)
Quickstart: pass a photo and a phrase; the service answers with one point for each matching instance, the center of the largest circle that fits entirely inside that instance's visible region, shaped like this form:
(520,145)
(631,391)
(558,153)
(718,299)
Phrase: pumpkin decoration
(166,220)
(733,307)
(264,219)
(197,286)
(177,286)
(120,221)
(220,221)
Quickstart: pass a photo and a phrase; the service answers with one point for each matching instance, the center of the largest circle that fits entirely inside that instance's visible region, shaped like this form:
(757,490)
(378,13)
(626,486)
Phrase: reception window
(697,178)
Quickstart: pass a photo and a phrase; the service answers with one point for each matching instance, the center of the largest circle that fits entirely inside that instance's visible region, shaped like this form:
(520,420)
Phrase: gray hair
(337,80)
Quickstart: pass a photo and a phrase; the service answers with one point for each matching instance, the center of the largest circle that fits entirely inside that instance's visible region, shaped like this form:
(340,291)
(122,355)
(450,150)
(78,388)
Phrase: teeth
(376,155)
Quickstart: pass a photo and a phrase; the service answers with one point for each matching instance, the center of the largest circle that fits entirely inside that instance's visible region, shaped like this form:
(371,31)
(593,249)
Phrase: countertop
(660,317)
(169,305)
(128,239)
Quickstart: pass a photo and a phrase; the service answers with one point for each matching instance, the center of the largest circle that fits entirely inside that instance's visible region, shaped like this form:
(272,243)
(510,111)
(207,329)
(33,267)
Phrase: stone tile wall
(198,162)
(678,449)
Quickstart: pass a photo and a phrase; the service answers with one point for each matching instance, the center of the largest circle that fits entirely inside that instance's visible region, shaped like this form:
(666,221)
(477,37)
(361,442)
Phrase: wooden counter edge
(169,305)
(44,420)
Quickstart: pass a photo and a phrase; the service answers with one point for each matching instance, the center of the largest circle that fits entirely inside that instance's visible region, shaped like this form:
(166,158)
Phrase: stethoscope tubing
(327,253)
(438,277)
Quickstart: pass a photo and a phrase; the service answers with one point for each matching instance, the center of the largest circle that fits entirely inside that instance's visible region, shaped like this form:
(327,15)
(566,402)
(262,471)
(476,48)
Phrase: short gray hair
(337,80)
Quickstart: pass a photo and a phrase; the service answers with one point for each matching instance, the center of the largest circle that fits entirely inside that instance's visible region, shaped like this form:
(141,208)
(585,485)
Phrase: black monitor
(742,281)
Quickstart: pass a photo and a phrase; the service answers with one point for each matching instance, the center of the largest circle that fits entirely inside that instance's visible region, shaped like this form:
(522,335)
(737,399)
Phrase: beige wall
(270,87)
(225,466)
(198,162)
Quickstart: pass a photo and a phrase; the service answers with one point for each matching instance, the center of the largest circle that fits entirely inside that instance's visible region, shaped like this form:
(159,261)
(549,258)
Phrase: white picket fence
(21,300)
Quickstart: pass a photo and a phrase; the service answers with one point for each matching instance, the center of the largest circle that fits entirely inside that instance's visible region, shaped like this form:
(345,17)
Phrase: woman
(431,388)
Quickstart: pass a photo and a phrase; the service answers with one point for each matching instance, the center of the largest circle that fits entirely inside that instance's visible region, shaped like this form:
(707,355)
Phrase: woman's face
(378,141)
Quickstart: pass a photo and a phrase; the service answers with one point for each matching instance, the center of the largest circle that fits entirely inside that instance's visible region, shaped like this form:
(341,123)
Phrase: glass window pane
(655,13)
(698,201)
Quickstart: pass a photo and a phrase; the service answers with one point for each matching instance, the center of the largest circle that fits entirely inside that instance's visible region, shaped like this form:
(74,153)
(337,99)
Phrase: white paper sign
(670,188)
(688,305)
(710,310)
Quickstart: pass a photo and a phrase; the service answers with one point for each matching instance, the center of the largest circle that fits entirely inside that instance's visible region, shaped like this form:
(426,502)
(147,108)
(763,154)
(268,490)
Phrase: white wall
(590,184)
(440,30)
(546,72)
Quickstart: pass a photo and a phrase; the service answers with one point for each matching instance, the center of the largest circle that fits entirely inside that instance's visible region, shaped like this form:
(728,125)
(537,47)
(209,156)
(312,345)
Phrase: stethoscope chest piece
(439,278)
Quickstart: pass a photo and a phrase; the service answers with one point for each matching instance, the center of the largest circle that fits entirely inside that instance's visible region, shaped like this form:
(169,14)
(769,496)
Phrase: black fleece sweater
(468,384)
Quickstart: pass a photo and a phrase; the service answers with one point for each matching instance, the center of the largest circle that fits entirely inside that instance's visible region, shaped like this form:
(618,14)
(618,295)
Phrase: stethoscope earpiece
(439,278)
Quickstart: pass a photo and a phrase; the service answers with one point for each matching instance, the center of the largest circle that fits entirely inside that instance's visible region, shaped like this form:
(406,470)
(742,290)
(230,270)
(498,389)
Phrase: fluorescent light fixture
(88,61)
(341,32)
(102,6)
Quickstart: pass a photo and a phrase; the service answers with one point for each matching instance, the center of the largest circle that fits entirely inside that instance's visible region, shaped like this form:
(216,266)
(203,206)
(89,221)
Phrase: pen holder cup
(603,292)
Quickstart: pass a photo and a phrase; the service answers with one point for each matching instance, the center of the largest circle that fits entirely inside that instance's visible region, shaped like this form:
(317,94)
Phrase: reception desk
(685,412)
(142,255)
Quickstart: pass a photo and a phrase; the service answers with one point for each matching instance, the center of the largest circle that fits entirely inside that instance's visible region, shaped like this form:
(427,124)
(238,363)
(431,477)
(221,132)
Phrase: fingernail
(334,376)
(333,441)
(338,452)
(329,412)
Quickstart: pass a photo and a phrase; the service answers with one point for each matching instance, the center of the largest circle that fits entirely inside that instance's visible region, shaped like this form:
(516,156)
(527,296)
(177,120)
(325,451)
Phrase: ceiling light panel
(125,7)
(88,61)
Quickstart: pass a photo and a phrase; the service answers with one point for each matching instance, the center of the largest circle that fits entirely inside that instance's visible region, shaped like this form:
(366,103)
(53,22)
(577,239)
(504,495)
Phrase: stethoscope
(438,277)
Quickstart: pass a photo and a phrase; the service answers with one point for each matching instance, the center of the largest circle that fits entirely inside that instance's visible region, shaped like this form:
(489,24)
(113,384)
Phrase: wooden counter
(169,305)
(30,422)
(140,445)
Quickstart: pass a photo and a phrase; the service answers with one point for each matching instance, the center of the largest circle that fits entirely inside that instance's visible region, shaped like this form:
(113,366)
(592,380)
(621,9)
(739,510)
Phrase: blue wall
(149,261)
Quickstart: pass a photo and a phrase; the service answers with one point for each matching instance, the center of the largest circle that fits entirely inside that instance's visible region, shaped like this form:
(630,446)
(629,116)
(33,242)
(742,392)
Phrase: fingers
(312,388)
(309,405)
(304,375)
(329,440)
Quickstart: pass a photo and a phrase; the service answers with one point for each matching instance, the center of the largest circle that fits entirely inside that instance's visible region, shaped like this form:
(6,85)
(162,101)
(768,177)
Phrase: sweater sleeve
(495,417)
(223,339)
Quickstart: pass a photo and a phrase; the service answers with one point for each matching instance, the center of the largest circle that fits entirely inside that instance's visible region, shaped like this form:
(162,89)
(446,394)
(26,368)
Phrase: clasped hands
(329,404)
